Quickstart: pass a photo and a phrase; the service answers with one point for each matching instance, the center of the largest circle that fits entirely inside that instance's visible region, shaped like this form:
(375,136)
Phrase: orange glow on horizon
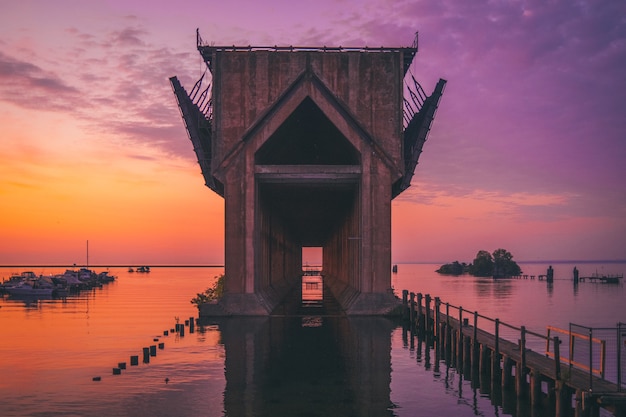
(154,210)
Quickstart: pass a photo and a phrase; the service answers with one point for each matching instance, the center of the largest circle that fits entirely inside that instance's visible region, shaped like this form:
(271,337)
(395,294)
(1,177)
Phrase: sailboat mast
(87,253)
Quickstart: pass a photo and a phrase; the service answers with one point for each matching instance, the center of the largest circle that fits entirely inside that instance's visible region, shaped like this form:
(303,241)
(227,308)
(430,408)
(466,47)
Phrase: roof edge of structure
(207,50)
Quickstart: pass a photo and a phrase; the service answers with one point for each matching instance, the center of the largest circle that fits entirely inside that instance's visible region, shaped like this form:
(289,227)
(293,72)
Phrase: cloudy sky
(527,152)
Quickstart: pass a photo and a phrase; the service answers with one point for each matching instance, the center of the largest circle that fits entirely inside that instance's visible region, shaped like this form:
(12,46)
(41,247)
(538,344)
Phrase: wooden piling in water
(436,315)
(448,342)
(412,309)
(485,359)
(467,355)
(405,305)
(452,348)
(427,314)
(521,371)
(535,388)
(507,369)
(421,328)
(485,369)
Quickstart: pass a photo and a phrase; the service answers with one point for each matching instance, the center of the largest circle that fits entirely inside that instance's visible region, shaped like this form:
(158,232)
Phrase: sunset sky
(527,151)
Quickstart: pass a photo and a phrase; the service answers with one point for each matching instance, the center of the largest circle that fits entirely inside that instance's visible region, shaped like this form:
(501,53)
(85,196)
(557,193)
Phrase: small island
(499,264)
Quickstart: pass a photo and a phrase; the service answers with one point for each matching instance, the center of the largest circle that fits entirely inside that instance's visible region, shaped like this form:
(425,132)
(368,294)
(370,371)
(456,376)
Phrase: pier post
(454,348)
(438,352)
(441,338)
(559,386)
(405,306)
(520,372)
(495,357)
(563,399)
(449,342)
(475,344)
(459,342)
(507,366)
(485,367)
(412,312)
(437,321)
(420,314)
(484,363)
(467,355)
(475,349)
(427,340)
(427,309)
(590,331)
(535,388)
(419,304)
(620,337)
(557,358)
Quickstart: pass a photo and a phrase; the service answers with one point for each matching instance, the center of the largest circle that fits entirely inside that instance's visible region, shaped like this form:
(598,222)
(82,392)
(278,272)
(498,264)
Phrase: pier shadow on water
(307,366)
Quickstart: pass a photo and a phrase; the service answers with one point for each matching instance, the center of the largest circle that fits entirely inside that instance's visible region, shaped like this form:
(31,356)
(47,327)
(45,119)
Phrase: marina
(28,284)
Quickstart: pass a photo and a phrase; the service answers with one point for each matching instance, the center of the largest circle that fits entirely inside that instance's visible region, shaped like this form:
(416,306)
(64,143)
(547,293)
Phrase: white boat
(32,288)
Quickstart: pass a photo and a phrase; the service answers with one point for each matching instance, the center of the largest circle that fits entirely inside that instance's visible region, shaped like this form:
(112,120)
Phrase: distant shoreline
(108,266)
(605,261)
(575,261)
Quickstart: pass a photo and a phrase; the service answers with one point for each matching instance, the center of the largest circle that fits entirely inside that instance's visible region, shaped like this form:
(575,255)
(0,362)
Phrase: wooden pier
(498,365)
(604,278)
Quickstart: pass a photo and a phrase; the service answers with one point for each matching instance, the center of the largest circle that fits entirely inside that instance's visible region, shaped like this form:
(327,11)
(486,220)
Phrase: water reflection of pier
(292,365)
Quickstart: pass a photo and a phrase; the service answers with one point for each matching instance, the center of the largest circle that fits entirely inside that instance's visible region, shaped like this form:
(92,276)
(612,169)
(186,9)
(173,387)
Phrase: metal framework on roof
(207,50)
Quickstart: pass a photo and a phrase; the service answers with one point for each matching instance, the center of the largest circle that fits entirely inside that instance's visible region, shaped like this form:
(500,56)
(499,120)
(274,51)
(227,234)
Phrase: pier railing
(598,353)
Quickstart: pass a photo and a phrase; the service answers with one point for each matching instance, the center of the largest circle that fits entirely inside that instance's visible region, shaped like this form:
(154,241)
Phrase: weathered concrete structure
(308,147)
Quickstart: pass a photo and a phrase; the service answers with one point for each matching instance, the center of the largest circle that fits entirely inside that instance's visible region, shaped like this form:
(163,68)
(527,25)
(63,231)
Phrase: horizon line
(216,265)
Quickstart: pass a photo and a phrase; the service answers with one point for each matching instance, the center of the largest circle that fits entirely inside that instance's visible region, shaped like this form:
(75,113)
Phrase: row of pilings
(506,371)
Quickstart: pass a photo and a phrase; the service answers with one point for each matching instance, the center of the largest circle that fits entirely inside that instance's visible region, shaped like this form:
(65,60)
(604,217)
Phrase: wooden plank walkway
(480,352)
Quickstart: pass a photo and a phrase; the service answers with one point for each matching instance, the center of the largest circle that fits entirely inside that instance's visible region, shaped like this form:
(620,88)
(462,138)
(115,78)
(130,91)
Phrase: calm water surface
(51,349)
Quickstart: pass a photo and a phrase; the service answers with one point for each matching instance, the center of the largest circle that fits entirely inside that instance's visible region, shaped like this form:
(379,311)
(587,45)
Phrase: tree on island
(455,268)
(504,265)
(482,265)
(499,264)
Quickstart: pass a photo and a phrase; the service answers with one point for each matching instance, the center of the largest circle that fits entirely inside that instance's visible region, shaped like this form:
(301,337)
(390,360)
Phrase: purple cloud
(27,85)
